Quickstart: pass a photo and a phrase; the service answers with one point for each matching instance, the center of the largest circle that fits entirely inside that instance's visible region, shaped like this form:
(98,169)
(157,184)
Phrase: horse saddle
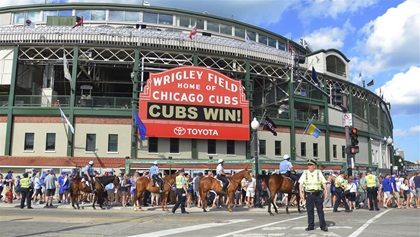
(287,177)
(221,182)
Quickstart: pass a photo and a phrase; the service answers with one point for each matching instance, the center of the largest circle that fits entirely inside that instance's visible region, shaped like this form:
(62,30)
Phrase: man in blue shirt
(286,169)
(154,171)
(88,174)
(387,187)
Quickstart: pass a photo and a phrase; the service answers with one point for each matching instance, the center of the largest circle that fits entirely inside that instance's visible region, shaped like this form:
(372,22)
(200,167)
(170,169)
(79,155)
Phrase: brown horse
(279,183)
(210,183)
(143,184)
(77,186)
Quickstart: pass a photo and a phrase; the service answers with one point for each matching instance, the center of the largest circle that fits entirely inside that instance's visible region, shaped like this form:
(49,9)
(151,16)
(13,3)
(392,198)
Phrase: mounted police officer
(286,169)
(154,173)
(372,183)
(221,175)
(315,188)
(88,174)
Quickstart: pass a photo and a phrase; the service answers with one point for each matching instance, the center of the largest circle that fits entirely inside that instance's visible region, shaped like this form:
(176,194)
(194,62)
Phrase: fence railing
(64,101)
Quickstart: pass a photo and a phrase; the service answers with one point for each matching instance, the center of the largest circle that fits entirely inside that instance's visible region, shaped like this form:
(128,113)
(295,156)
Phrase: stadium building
(196,94)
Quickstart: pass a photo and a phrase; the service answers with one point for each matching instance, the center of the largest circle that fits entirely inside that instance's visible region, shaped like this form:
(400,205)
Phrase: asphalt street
(65,221)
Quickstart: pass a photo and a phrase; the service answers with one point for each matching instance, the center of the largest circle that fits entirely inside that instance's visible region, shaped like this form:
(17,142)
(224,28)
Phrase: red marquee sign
(194,102)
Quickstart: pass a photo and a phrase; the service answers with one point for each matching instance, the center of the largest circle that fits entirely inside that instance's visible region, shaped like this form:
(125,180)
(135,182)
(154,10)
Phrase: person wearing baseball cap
(314,182)
(181,191)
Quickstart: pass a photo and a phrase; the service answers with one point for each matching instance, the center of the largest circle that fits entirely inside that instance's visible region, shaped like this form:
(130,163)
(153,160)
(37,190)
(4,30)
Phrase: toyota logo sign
(179,131)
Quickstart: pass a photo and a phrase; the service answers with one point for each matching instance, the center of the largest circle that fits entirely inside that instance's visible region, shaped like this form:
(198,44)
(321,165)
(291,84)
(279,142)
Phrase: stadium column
(135,103)
(8,143)
(291,114)
(70,136)
(249,92)
(194,151)
(368,125)
(327,126)
(349,107)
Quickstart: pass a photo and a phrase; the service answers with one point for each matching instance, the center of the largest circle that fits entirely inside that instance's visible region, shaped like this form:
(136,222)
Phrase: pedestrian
(2,181)
(37,187)
(50,186)
(372,183)
(340,186)
(315,189)
(25,190)
(250,191)
(196,185)
(362,192)
(181,191)
(416,183)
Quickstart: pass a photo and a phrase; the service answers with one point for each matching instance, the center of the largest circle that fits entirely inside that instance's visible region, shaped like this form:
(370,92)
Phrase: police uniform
(154,171)
(372,191)
(312,186)
(181,191)
(220,176)
(340,186)
(25,190)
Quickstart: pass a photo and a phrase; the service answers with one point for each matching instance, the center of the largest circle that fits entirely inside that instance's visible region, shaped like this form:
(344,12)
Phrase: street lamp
(255,125)
(400,166)
(389,141)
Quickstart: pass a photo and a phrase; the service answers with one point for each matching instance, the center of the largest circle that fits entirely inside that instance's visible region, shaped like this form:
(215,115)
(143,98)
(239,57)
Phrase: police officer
(181,191)
(221,175)
(372,183)
(154,173)
(25,190)
(88,173)
(286,169)
(313,187)
(340,186)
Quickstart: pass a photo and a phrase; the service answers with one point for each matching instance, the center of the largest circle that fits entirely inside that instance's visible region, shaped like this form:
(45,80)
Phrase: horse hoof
(204,210)
(288,213)
(271,214)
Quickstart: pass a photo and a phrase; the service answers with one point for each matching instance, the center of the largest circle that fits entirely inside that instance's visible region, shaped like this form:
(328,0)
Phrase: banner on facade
(194,102)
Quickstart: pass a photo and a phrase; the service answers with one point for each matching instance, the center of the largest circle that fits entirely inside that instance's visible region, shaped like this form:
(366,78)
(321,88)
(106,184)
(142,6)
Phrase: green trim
(292,118)
(327,127)
(195,59)
(135,104)
(9,126)
(251,111)
(70,136)
(326,52)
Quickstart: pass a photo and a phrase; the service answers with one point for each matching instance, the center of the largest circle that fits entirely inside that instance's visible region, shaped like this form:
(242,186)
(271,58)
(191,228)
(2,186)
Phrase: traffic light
(337,97)
(354,142)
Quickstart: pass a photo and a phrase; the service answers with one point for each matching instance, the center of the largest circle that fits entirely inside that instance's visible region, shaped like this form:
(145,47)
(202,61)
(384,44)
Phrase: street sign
(347,119)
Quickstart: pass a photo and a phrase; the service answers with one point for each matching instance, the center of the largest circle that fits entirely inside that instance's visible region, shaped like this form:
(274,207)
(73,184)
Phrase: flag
(29,24)
(289,48)
(79,22)
(247,40)
(311,129)
(140,126)
(193,31)
(64,118)
(269,125)
(371,83)
(315,76)
(67,74)
(360,75)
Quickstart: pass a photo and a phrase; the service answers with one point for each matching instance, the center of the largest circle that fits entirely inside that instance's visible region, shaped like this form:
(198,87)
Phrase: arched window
(336,65)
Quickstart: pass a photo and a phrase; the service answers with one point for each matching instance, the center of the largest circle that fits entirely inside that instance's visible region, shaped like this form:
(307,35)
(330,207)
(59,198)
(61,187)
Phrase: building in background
(93,60)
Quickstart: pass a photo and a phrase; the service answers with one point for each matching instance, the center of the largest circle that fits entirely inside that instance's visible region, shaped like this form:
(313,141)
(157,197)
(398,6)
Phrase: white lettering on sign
(227,84)
(201,131)
(177,76)
(176,96)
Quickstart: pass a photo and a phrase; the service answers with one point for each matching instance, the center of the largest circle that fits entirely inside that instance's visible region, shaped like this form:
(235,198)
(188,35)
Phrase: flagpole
(363,82)
(309,124)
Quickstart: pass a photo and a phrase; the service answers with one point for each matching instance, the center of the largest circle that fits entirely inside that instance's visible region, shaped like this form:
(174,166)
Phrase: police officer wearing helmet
(372,183)
(154,173)
(313,187)
(221,175)
(25,190)
(286,169)
(88,173)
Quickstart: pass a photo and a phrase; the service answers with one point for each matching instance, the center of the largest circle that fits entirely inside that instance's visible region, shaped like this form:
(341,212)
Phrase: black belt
(313,192)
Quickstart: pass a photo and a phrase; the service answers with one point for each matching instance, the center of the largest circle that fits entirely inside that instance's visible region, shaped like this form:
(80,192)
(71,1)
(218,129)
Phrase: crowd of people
(350,192)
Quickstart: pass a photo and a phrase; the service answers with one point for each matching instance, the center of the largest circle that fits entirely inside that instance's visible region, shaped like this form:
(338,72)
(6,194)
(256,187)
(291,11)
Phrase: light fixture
(255,124)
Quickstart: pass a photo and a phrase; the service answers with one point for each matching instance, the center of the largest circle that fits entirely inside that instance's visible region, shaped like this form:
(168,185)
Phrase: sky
(380,37)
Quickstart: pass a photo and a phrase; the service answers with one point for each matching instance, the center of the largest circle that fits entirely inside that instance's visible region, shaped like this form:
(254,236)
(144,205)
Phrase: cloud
(402,91)
(329,37)
(331,8)
(391,41)
(412,131)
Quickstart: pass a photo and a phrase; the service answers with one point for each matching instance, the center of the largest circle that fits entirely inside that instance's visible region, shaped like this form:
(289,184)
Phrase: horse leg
(298,202)
(270,201)
(139,198)
(164,201)
(229,202)
(203,197)
(289,196)
(94,201)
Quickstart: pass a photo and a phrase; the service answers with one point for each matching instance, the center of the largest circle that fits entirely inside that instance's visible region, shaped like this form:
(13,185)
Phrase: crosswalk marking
(189,228)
